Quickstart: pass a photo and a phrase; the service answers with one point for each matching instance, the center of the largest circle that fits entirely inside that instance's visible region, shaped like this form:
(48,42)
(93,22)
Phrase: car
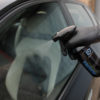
(32,66)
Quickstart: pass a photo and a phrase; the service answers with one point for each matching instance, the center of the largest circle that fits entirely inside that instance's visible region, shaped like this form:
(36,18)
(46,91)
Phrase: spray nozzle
(63,36)
(65,33)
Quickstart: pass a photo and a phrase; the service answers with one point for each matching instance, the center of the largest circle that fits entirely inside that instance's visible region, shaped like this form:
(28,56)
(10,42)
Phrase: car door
(35,68)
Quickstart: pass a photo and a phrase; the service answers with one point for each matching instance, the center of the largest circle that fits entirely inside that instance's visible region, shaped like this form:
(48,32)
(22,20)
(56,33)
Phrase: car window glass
(79,15)
(37,67)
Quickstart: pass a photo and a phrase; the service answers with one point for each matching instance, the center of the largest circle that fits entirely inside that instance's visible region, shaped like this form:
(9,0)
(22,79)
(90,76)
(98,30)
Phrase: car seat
(28,45)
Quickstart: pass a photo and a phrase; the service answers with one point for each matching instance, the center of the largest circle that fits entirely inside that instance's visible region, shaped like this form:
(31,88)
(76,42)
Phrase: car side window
(38,68)
(79,15)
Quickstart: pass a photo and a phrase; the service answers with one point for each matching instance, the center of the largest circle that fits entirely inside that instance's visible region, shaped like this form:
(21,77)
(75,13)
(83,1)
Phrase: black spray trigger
(64,36)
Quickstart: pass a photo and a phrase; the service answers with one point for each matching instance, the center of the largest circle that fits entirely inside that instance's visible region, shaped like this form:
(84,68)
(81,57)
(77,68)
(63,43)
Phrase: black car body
(76,86)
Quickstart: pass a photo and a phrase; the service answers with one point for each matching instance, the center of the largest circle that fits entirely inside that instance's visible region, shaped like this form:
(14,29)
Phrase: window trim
(67,14)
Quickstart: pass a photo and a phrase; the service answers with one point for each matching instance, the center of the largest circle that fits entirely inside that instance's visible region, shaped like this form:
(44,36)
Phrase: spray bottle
(76,43)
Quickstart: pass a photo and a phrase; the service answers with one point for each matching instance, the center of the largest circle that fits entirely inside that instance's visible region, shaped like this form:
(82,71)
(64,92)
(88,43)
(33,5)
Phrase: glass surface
(37,67)
(79,15)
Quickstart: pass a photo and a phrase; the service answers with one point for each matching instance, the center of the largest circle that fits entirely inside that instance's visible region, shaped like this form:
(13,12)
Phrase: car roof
(4,3)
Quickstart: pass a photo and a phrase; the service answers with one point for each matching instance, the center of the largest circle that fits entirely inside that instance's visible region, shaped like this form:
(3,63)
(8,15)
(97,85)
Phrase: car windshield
(38,62)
